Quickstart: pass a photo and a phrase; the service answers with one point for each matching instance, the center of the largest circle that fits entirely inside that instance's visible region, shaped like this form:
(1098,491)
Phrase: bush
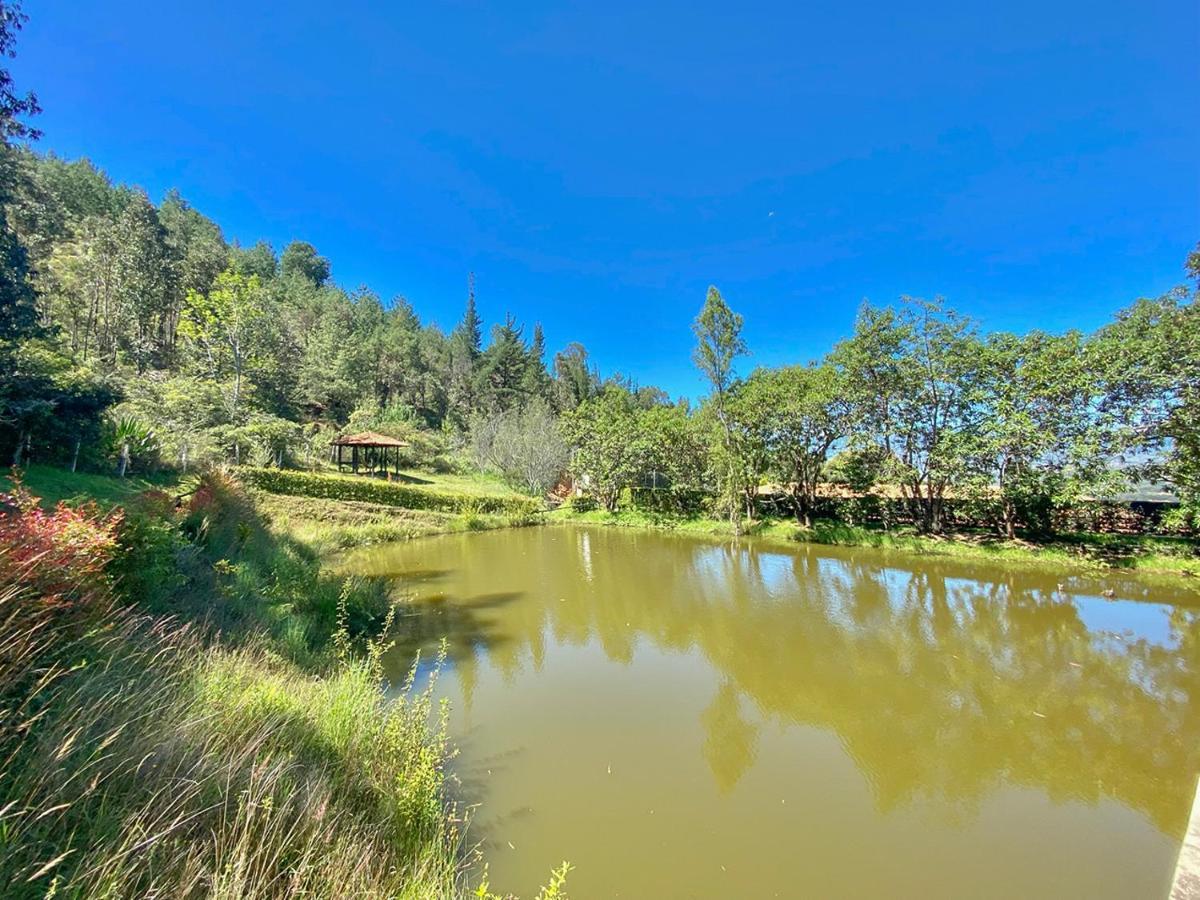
(60,555)
(369,490)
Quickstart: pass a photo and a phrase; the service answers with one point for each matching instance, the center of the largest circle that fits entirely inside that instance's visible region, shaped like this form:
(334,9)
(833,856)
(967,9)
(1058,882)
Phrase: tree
(502,368)
(256,260)
(144,284)
(806,414)
(913,374)
(222,324)
(301,260)
(605,436)
(673,453)
(465,346)
(575,379)
(536,384)
(719,343)
(1042,439)
(197,249)
(1149,360)
(13,106)
(525,445)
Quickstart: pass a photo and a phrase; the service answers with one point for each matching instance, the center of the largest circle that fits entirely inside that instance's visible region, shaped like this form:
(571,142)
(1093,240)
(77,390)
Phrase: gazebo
(371,450)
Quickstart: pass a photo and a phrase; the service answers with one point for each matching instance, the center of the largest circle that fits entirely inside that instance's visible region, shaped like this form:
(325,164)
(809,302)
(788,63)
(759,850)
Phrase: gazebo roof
(368,439)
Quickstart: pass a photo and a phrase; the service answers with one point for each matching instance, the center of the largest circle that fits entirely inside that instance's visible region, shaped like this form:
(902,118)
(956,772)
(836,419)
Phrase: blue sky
(599,165)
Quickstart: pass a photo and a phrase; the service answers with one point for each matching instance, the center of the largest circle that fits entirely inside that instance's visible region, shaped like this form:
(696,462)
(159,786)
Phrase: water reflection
(943,681)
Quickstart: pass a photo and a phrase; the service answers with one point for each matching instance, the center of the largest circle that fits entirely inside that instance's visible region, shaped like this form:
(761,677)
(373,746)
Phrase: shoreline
(1156,557)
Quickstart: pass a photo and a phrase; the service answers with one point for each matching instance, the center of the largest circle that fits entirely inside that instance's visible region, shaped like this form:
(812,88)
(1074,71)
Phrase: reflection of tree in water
(943,680)
(730,739)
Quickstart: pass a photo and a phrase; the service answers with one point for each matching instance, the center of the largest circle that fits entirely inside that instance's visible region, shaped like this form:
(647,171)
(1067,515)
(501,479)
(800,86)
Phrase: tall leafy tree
(608,451)
(145,284)
(914,375)
(1150,360)
(807,414)
(301,260)
(258,259)
(224,324)
(719,343)
(1043,439)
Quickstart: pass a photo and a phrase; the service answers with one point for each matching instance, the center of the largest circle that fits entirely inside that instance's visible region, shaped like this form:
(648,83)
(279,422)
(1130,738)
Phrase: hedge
(373,490)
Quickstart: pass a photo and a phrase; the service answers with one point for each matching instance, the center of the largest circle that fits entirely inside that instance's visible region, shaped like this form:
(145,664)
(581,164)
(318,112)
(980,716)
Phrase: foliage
(719,343)
(60,555)
(912,375)
(524,444)
(806,413)
(131,440)
(13,106)
(604,432)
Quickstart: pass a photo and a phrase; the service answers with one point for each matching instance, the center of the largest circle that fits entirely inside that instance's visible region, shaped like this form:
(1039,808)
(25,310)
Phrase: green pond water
(682,717)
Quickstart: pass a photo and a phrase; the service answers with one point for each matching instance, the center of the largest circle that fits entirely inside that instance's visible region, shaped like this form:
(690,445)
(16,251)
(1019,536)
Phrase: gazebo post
(380,454)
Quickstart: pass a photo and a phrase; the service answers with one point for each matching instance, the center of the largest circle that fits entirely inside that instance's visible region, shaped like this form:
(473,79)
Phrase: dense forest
(133,335)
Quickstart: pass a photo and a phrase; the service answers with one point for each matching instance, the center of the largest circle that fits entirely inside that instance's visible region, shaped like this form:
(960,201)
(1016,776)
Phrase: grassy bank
(191,706)
(321,512)
(1157,555)
(327,526)
(52,485)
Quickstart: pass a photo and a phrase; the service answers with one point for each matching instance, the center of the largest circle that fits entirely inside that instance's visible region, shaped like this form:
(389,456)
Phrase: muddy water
(689,718)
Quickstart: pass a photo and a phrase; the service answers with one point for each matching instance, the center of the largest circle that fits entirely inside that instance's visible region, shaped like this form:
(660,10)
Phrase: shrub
(60,555)
(582,503)
(369,490)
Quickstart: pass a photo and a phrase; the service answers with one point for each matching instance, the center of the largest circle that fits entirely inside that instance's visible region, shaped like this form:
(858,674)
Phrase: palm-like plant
(131,436)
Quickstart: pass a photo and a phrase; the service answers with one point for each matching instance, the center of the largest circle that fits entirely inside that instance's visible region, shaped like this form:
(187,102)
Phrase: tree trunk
(124,463)
(20,446)
(75,458)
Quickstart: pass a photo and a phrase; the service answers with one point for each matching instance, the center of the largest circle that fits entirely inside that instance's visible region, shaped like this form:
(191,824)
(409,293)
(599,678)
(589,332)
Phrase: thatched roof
(368,439)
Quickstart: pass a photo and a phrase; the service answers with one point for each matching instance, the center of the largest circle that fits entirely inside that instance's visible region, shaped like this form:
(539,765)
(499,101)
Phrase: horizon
(1046,180)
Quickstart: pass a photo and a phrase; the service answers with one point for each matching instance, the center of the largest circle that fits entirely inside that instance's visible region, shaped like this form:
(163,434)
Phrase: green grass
(1142,553)
(54,484)
(330,526)
(477,483)
(393,492)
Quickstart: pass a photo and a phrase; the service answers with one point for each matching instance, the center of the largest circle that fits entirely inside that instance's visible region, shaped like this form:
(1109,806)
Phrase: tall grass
(190,755)
(138,760)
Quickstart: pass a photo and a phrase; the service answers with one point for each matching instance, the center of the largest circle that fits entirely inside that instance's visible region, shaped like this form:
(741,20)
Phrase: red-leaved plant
(59,556)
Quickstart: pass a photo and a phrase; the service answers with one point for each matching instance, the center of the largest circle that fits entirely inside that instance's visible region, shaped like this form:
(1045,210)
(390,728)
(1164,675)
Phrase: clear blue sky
(599,165)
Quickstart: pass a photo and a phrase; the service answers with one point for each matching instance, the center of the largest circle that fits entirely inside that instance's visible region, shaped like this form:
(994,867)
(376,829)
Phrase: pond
(682,717)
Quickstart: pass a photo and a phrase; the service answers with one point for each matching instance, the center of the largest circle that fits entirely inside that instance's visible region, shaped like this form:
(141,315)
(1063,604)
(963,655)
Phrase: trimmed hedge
(389,493)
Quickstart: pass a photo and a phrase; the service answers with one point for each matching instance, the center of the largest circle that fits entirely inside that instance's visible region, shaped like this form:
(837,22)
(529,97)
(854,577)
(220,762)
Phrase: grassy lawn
(328,526)
(474,483)
(53,484)
(1143,553)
